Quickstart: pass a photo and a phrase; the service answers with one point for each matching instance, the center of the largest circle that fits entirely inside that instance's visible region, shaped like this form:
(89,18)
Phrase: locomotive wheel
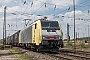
(62,46)
(38,50)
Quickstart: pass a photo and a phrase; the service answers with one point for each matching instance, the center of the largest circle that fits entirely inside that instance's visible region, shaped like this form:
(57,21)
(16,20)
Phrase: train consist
(41,35)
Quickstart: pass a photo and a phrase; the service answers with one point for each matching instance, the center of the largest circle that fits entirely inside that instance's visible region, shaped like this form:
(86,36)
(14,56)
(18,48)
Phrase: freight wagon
(8,40)
(15,39)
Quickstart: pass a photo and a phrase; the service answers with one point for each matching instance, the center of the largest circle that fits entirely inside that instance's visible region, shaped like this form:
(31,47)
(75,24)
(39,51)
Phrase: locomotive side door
(33,33)
(36,34)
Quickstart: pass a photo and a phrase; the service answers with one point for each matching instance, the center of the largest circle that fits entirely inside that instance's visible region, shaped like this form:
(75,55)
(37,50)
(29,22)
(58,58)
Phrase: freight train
(41,35)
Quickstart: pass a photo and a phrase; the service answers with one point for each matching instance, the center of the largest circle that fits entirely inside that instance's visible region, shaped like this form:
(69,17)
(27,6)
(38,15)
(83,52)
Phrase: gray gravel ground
(36,55)
(40,56)
(7,55)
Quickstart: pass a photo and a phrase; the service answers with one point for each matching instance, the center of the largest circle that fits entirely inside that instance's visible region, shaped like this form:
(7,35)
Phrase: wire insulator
(24,2)
(45,5)
(55,7)
(31,3)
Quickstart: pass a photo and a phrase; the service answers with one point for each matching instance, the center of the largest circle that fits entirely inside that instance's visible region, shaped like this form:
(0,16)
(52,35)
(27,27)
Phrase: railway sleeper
(78,56)
(63,57)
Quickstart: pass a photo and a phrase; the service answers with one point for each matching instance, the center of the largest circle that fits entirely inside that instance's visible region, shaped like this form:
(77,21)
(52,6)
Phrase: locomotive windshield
(50,24)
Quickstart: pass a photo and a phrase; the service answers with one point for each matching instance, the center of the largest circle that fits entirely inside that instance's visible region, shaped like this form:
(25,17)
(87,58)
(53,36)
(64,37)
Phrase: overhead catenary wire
(52,4)
(45,3)
(37,10)
(70,8)
(56,5)
(26,7)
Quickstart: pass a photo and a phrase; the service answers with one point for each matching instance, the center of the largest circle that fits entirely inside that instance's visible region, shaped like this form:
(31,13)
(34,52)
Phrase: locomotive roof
(39,20)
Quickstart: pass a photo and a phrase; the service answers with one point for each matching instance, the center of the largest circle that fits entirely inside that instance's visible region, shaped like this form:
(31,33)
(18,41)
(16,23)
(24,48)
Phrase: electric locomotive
(42,35)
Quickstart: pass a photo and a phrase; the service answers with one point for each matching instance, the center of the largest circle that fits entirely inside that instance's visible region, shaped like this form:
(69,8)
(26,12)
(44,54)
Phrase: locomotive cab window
(50,24)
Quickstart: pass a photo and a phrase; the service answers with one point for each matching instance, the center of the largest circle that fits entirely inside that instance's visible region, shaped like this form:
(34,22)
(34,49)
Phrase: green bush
(69,44)
(82,44)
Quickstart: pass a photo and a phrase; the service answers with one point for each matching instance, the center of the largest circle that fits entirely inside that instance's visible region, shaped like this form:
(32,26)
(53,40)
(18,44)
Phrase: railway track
(69,56)
(76,56)
(60,57)
(84,53)
(77,52)
(65,55)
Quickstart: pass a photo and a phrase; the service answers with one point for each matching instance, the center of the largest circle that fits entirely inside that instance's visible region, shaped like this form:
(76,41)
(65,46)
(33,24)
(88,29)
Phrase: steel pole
(74,25)
(88,32)
(4,26)
(3,35)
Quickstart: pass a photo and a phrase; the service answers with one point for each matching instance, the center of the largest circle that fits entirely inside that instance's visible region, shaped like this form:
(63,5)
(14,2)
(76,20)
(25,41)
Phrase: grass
(79,46)
(69,44)
(1,45)
(20,56)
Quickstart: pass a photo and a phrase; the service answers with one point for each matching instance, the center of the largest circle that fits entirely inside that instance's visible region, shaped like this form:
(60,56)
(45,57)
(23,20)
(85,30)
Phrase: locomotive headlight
(59,37)
(44,37)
